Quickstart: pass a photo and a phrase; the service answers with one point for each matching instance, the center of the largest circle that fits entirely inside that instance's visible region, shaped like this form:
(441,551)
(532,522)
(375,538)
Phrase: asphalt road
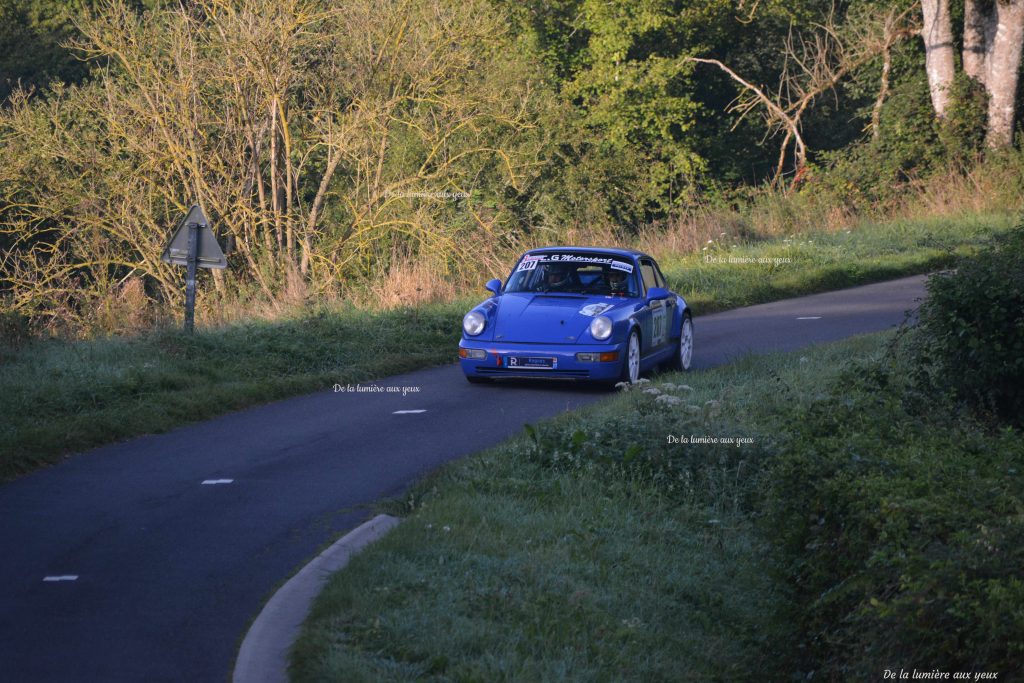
(175,540)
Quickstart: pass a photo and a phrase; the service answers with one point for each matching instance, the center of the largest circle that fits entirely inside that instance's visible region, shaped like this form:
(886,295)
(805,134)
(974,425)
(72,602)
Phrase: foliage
(879,170)
(910,148)
(901,528)
(962,131)
(405,134)
(972,340)
(633,92)
(32,33)
(379,139)
(901,516)
(638,105)
(35,37)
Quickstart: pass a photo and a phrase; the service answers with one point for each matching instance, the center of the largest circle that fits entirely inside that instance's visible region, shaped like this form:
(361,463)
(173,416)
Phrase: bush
(901,532)
(874,175)
(899,516)
(15,329)
(972,330)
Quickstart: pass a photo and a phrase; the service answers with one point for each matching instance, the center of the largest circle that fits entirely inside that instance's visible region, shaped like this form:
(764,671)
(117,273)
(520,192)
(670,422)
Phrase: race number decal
(659,320)
(527,264)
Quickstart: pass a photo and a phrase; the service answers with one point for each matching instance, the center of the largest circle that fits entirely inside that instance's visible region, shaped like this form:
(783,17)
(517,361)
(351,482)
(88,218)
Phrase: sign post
(190,277)
(193,245)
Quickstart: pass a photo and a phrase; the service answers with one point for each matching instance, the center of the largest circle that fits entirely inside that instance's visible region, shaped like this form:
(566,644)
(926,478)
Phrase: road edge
(263,656)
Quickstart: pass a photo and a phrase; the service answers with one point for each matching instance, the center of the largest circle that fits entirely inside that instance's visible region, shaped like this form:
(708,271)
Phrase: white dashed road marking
(408,412)
(65,577)
(213,482)
(810,317)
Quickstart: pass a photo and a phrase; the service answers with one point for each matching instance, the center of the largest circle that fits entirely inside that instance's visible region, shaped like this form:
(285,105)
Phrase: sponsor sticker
(595,309)
(575,258)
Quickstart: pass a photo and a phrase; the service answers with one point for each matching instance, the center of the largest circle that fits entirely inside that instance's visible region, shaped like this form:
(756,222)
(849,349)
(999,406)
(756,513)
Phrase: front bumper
(566,364)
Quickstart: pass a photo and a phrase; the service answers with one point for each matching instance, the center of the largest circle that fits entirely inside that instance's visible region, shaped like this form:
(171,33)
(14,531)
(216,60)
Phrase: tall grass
(993,188)
(408,278)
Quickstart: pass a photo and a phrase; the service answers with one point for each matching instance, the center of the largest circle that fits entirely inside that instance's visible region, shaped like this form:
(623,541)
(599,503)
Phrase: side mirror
(494,286)
(655,293)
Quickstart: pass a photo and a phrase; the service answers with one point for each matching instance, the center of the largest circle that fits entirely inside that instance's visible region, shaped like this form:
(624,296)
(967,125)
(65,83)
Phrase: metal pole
(190,277)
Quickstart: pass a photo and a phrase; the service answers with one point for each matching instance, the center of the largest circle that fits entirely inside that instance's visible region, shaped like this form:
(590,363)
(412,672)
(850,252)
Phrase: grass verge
(728,273)
(588,549)
(61,397)
(57,396)
(824,520)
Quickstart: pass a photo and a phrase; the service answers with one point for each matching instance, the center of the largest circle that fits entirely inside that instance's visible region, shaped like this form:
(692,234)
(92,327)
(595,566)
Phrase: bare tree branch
(815,65)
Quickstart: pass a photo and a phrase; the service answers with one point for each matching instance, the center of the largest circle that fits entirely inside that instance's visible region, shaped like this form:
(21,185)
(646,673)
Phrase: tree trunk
(938,48)
(976,20)
(1004,55)
(883,92)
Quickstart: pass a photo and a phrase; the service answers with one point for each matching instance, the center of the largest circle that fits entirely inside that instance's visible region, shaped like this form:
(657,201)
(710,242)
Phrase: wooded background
(402,143)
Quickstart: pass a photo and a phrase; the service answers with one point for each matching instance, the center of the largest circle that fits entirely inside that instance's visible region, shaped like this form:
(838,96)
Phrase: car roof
(616,251)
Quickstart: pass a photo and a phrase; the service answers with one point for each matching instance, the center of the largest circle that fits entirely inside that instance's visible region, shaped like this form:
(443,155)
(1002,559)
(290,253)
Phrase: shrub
(874,175)
(901,532)
(15,329)
(972,329)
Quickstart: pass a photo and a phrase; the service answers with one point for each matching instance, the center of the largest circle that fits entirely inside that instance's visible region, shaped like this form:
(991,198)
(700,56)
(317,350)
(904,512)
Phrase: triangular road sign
(208,252)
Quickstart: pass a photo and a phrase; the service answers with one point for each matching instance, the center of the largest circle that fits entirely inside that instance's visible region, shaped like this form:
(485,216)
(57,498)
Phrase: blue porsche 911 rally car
(580,313)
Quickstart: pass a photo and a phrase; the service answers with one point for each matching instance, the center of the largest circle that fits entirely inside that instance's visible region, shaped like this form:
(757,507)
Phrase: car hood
(549,318)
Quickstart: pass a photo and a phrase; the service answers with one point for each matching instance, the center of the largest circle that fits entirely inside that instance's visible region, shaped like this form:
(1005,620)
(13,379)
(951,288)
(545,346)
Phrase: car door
(672,319)
(657,315)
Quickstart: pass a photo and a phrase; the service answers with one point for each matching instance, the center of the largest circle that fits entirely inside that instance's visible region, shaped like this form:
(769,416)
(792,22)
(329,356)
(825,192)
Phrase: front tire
(684,351)
(631,363)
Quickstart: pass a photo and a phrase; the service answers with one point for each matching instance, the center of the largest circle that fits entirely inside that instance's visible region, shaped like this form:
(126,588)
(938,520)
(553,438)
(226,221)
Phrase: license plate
(532,362)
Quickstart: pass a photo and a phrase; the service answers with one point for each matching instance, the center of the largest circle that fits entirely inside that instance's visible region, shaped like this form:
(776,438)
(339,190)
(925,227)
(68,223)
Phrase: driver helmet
(556,275)
(616,280)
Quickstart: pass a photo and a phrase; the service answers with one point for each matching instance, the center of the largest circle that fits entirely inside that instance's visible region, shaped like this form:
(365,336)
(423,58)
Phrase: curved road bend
(146,560)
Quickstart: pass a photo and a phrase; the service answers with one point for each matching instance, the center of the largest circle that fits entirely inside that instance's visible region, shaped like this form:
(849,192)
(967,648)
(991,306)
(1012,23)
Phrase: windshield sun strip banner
(530,261)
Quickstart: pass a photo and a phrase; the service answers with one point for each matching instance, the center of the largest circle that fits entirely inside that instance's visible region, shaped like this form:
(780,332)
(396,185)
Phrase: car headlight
(601,327)
(473,323)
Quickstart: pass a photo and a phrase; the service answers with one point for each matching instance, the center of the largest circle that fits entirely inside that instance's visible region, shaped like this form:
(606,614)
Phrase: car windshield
(574,273)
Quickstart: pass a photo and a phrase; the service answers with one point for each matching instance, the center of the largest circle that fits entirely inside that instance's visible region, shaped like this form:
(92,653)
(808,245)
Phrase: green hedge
(973,329)
(901,531)
(897,498)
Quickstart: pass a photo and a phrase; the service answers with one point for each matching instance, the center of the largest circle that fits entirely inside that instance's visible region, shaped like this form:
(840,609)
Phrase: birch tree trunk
(937,33)
(1003,60)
